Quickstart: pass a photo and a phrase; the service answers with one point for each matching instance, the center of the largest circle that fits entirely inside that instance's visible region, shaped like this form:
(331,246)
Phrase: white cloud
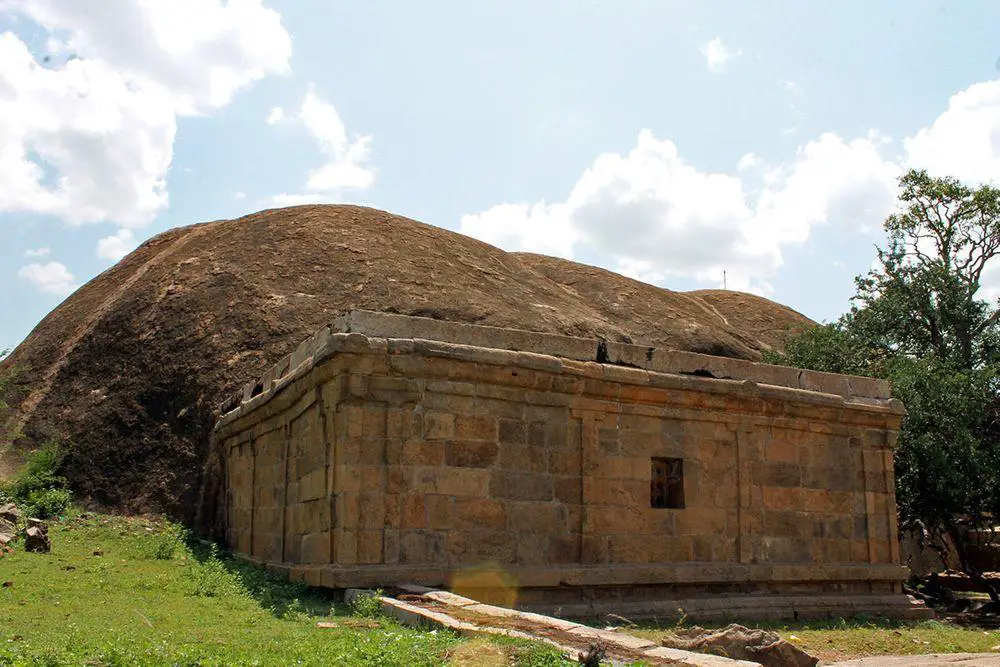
(748,161)
(650,214)
(37,252)
(347,165)
(239,196)
(276,115)
(964,141)
(718,55)
(52,278)
(116,246)
(91,138)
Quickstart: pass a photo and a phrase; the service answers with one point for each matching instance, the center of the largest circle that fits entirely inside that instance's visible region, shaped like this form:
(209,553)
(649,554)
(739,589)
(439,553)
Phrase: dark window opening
(666,486)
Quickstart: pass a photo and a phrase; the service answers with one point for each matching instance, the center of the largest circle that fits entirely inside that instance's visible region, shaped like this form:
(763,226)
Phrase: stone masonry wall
(368,460)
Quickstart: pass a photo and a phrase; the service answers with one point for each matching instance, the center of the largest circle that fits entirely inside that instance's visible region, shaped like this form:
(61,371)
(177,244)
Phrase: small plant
(38,489)
(47,503)
(367,604)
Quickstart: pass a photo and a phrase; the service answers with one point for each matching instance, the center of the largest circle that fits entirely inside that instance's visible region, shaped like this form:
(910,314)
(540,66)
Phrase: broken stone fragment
(740,643)
(36,537)
(38,523)
(10,513)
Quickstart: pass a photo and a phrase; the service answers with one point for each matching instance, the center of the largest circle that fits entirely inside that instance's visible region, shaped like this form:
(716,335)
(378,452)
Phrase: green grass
(119,591)
(843,639)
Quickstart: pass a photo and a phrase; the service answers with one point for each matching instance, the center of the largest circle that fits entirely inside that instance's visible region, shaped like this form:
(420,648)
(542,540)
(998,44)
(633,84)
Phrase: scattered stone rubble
(36,532)
(741,643)
(36,537)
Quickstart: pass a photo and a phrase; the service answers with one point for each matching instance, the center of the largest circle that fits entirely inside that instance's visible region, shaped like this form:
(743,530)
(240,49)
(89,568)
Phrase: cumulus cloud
(346,166)
(116,246)
(650,214)
(34,253)
(718,55)
(51,278)
(90,137)
(964,141)
(275,116)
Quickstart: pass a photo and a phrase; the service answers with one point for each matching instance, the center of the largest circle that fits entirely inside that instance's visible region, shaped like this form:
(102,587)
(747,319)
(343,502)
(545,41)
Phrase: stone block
(782,498)
(524,458)
(505,484)
(439,426)
(370,546)
(476,547)
(513,432)
(702,520)
(480,514)
(463,481)
(345,547)
(769,473)
(471,454)
(420,547)
(568,489)
(609,491)
(314,548)
(532,549)
(593,549)
(564,549)
(312,486)
(422,453)
(371,511)
(564,461)
(536,517)
(440,511)
(475,428)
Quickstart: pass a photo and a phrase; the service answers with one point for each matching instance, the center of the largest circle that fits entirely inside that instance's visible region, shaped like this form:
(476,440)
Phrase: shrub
(367,604)
(47,503)
(38,489)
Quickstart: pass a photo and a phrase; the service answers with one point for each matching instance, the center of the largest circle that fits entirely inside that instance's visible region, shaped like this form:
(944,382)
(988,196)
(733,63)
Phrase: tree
(922,299)
(918,320)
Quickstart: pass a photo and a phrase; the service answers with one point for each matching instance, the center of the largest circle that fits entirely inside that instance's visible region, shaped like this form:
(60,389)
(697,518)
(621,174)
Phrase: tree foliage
(919,319)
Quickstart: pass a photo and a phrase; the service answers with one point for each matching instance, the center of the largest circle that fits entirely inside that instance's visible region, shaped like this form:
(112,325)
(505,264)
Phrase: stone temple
(595,476)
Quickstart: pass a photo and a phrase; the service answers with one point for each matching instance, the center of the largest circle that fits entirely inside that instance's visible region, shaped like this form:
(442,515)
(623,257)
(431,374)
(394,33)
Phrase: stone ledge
(387,325)
(544,352)
(368,576)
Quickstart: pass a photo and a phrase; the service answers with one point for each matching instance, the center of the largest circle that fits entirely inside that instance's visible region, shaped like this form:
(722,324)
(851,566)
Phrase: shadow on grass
(272,591)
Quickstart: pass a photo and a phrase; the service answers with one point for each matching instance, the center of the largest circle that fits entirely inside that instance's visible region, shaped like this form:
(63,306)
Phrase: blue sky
(667,140)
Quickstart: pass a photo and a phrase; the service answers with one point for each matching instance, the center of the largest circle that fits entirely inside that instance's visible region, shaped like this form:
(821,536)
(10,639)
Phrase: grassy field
(844,639)
(118,591)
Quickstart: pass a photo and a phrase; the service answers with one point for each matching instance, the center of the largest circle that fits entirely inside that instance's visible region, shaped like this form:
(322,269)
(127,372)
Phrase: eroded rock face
(130,367)
(741,643)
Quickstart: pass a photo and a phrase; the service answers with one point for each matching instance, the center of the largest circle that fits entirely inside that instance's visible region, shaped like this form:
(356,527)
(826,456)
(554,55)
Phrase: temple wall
(365,461)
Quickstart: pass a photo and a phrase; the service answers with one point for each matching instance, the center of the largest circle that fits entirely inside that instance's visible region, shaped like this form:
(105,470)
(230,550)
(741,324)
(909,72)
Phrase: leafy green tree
(918,320)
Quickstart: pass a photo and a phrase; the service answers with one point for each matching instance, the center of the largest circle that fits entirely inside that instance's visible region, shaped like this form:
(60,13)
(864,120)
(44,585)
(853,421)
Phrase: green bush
(47,503)
(38,489)
(368,604)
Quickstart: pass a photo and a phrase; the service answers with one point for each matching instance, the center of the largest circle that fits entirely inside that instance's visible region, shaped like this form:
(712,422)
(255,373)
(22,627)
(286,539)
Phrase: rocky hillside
(130,367)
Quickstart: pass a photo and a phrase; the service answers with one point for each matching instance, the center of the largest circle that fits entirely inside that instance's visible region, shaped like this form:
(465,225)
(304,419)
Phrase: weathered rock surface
(740,643)
(36,537)
(10,513)
(131,366)
(8,533)
(9,518)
